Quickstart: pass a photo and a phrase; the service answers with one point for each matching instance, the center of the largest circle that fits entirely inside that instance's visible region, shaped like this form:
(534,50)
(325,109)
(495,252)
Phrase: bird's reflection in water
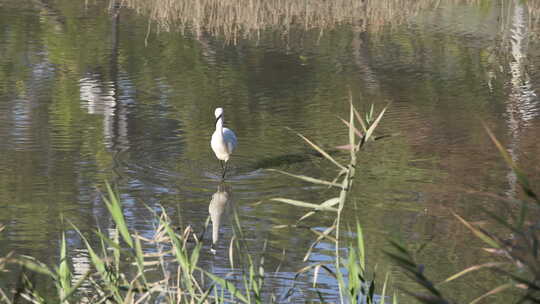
(220,209)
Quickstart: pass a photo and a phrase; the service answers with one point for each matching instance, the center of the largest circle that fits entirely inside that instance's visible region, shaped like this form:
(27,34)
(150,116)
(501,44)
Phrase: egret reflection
(220,208)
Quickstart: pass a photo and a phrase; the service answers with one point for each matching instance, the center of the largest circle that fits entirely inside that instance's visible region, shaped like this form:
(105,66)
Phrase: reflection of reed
(235,19)
(521,106)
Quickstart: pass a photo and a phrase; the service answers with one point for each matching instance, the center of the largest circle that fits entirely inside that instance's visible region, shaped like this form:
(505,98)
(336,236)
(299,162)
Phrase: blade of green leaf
(360,119)
(328,203)
(303,204)
(374,124)
(320,150)
(113,205)
(383,292)
(235,293)
(35,265)
(470,269)
(484,237)
(64,273)
(492,292)
(523,180)
(356,131)
(307,178)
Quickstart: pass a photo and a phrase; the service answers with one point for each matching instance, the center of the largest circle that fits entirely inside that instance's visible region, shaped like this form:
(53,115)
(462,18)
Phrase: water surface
(89,94)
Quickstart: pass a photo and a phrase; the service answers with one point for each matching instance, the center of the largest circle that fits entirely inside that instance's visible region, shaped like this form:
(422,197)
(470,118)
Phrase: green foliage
(357,288)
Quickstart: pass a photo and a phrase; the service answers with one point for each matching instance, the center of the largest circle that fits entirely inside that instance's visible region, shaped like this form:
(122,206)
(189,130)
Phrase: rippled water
(86,97)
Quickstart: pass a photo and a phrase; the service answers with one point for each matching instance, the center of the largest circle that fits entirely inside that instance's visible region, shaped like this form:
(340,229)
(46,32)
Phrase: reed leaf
(319,264)
(64,274)
(383,292)
(34,265)
(328,203)
(76,286)
(323,153)
(479,233)
(356,131)
(115,209)
(374,125)
(308,178)
(316,275)
(470,269)
(360,244)
(303,204)
(324,234)
(492,292)
(522,179)
(352,129)
(205,294)
(139,257)
(235,292)
(98,263)
(360,119)
(503,222)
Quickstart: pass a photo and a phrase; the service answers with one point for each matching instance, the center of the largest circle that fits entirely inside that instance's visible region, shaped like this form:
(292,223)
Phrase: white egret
(223,141)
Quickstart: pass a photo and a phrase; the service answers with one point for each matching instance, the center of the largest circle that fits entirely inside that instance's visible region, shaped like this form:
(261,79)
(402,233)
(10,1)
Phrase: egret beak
(220,116)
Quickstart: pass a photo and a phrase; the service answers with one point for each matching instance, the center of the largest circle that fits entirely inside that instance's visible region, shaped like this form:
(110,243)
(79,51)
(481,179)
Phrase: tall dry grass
(235,19)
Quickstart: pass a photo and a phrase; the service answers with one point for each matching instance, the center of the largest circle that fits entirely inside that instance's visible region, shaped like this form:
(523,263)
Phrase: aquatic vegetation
(234,20)
(357,289)
(521,262)
(123,272)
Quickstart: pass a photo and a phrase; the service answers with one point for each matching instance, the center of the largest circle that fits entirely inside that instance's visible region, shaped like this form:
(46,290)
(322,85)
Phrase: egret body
(223,141)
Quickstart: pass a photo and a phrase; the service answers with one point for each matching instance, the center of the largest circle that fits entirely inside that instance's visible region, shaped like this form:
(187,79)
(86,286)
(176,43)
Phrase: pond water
(89,94)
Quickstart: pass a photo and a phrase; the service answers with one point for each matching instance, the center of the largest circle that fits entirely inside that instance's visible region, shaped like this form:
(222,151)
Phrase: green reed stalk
(347,175)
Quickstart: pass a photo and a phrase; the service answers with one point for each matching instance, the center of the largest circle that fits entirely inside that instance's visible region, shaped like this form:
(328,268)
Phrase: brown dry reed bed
(237,19)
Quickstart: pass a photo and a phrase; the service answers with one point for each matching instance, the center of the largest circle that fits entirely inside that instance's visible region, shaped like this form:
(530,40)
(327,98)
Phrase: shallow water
(86,97)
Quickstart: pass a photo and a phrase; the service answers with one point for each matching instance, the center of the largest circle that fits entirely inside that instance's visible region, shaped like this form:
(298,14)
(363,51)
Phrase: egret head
(218,112)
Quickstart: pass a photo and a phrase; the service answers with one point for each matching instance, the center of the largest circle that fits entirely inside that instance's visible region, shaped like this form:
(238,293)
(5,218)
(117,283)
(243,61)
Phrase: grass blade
(303,204)
(373,126)
(356,131)
(113,205)
(383,292)
(479,233)
(523,181)
(360,119)
(227,285)
(492,292)
(472,268)
(308,179)
(64,274)
(320,150)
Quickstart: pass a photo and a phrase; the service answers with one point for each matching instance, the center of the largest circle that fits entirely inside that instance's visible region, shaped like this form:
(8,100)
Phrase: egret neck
(219,123)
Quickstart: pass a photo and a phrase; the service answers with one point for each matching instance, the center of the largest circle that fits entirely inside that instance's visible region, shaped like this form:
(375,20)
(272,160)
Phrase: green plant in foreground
(60,276)
(522,251)
(357,289)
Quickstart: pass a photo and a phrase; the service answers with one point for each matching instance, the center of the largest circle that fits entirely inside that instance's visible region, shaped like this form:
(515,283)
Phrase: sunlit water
(87,98)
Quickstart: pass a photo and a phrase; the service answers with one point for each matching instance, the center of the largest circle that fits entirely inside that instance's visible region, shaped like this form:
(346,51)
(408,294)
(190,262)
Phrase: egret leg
(224,170)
